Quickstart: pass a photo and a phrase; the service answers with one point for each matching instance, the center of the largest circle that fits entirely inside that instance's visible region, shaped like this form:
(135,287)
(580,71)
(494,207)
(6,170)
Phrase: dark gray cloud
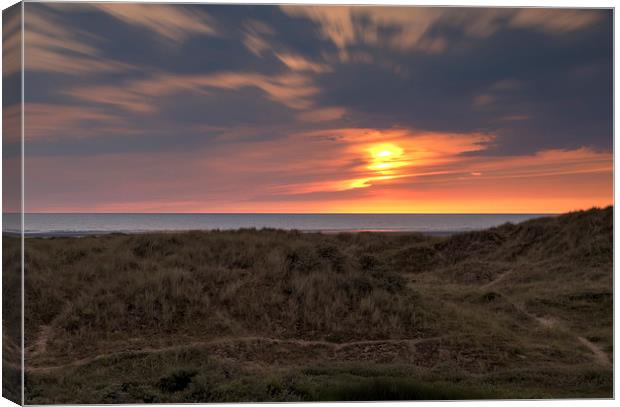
(535,83)
(534,89)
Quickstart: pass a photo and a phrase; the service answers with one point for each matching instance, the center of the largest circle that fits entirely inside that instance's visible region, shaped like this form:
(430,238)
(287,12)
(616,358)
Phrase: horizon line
(312,213)
(296,213)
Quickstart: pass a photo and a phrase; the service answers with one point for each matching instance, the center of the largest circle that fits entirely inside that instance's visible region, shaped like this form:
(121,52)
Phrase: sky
(295,109)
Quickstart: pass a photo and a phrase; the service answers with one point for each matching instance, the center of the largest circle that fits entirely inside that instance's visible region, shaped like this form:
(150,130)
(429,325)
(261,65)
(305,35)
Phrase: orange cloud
(322,115)
(122,97)
(340,23)
(169,21)
(547,182)
(12,123)
(299,63)
(292,90)
(555,21)
(11,42)
(546,163)
(47,120)
(51,47)
(392,154)
(422,168)
(254,33)
(337,170)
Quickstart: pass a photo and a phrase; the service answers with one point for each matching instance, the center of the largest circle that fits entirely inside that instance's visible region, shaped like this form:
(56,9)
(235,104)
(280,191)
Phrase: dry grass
(478,293)
(11,320)
(213,284)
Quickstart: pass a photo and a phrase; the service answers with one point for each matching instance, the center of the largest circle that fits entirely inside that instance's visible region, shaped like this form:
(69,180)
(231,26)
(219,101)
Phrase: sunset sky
(190,108)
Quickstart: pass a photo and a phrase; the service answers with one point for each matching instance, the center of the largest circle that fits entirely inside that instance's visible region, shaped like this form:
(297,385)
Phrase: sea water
(88,223)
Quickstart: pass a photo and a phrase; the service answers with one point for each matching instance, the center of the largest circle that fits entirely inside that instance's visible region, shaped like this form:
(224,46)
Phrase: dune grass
(11,320)
(211,316)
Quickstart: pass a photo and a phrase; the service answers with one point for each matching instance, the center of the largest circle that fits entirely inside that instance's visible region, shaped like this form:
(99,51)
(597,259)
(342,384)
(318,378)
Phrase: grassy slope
(515,311)
(11,320)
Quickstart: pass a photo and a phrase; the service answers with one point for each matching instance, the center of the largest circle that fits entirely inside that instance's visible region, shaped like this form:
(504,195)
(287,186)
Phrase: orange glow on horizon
(343,171)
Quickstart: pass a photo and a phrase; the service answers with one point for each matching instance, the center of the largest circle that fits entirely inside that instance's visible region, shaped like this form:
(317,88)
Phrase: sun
(385,150)
(385,162)
(385,157)
(384,153)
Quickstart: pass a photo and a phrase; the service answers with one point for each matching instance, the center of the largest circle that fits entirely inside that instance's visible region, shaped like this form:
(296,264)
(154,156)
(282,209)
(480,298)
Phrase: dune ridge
(513,311)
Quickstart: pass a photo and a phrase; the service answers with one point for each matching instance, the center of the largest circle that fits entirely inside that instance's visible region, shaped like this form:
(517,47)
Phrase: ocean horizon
(100,223)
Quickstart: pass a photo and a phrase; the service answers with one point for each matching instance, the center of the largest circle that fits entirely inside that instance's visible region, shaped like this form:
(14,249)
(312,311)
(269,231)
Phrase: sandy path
(550,322)
(601,356)
(498,279)
(224,341)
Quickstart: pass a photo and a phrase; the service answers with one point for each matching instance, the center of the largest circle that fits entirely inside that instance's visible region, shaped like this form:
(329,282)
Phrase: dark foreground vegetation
(517,311)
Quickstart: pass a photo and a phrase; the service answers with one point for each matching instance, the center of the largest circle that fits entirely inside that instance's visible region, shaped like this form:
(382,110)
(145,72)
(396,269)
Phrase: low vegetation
(11,320)
(256,315)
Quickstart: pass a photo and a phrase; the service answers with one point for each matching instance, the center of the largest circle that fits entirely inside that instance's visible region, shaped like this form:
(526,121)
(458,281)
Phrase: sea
(59,224)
